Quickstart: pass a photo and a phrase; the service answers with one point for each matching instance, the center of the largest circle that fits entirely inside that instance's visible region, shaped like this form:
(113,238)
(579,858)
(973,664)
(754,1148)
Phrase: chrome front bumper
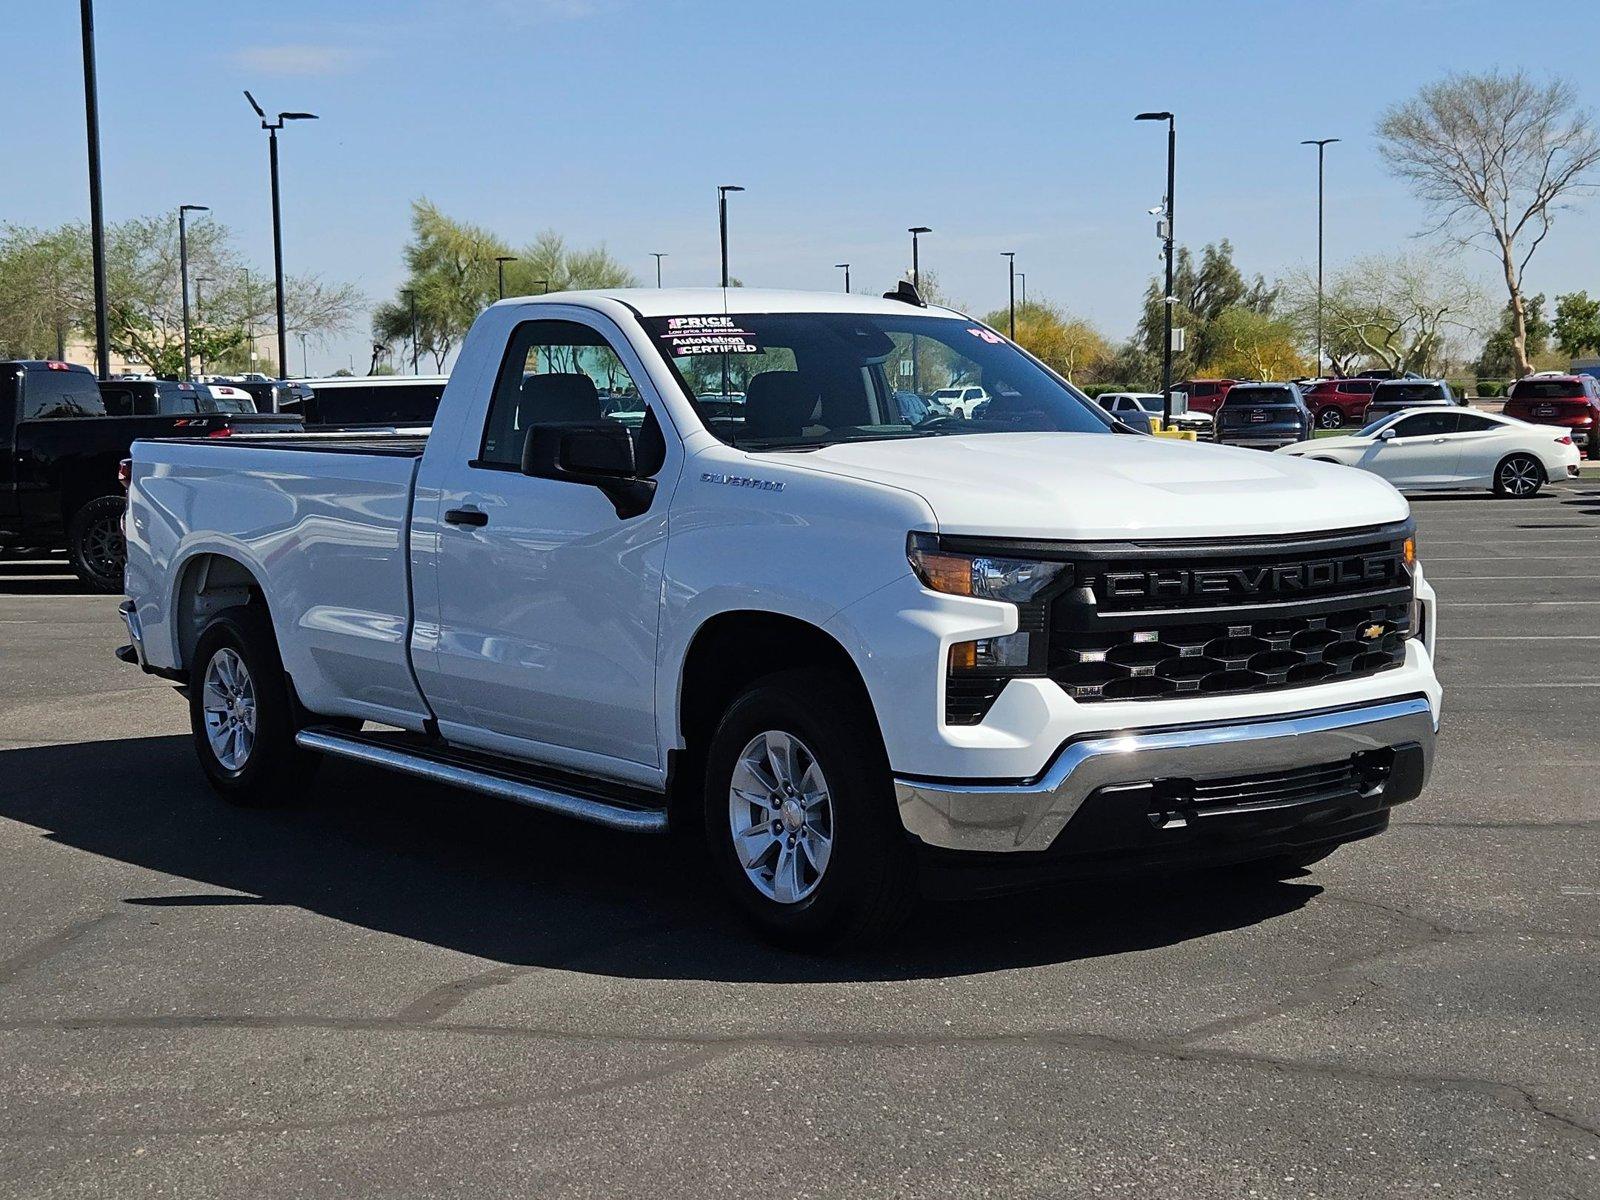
(1028,816)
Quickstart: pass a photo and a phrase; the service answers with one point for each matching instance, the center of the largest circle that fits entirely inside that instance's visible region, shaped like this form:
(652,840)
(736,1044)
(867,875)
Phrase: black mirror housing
(599,454)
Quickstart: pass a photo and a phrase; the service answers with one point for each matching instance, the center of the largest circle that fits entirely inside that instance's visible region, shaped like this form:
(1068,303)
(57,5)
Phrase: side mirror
(1388,435)
(598,454)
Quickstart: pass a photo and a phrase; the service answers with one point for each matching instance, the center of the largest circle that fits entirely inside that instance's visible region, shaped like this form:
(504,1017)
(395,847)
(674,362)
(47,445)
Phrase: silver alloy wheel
(1330,418)
(781,816)
(229,703)
(1519,476)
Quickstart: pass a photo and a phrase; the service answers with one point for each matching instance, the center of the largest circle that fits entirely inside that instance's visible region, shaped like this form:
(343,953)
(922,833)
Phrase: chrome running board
(476,773)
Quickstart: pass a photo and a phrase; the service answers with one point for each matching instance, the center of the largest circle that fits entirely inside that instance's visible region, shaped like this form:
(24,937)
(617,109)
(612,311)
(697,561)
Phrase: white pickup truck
(865,657)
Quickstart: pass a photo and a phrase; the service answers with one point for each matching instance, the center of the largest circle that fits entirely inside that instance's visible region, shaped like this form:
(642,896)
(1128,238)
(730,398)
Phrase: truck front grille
(1165,621)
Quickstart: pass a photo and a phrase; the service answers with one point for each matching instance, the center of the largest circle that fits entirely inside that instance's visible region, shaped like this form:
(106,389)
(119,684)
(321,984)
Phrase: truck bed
(390,445)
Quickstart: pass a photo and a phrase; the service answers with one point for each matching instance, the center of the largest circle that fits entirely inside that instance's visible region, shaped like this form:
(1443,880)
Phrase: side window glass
(556,373)
(1472,423)
(47,394)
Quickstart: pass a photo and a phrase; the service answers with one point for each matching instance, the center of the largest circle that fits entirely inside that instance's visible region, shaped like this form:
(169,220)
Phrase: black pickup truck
(59,453)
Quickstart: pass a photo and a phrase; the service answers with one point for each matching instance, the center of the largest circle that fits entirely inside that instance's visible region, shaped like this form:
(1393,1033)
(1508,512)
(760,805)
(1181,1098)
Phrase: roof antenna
(907,293)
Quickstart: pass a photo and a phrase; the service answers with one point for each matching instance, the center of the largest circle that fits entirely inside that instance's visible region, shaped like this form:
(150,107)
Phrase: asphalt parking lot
(392,989)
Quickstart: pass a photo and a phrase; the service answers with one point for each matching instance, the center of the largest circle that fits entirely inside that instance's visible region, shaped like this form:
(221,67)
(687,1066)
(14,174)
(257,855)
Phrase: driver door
(1421,454)
(547,599)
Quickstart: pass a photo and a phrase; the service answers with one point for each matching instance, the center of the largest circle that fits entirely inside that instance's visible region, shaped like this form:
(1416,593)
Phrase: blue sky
(1002,126)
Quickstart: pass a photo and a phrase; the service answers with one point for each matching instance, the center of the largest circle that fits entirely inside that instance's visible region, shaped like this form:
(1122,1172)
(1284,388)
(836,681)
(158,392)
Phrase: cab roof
(675,302)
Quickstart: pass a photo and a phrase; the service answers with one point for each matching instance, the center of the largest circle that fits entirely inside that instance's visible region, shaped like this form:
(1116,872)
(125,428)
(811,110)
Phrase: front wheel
(1519,477)
(95,544)
(800,816)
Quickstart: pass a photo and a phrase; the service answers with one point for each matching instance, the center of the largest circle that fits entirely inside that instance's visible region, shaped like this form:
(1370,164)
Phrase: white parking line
(1518,687)
(1520,637)
(1491,578)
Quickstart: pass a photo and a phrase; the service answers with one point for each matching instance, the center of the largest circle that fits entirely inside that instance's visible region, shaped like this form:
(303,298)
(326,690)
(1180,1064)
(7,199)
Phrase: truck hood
(1094,486)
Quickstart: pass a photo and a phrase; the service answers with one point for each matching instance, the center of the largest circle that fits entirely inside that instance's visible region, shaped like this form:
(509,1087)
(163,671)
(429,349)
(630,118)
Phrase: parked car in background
(1205,395)
(1439,448)
(270,395)
(1385,373)
(59,451)
(960,401)
(1570,402)
(1394,395)
(166,397)
(1263,416)
(354,401)
(1335,403)
(1138,408)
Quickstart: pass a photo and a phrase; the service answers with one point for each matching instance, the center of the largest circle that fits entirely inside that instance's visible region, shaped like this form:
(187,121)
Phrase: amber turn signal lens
(963,656)
(1409,552)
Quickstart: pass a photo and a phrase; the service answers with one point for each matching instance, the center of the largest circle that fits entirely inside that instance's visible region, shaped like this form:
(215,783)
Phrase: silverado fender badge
(743,481)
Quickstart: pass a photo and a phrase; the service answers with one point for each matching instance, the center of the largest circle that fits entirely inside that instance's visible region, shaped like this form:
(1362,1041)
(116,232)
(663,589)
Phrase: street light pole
(722,223)
(411,302)
(1166,296)
(500,261)
(200,317)
(916,265)
(97,217)
(846,267)
(658,255)
(183,274)
(305,370)
(272,128)
(1321,144)
(1011,266)
(1022,280)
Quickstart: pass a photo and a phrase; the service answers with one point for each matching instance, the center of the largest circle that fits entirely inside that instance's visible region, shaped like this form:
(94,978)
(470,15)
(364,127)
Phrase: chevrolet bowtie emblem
(1372,632)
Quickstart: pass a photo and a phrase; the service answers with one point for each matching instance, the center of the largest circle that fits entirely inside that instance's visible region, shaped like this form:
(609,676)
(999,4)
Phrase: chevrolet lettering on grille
(1292,579)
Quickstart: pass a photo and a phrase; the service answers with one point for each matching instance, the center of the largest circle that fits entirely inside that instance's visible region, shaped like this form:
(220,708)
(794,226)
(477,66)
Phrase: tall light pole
(97,216)
(1321,144)
(658,255)
(272,128)
(200,317)
(411,303)
(183,274)
(1022,282)
(1011,268)
(500,261)
(846,267)
(722,223)
(1167,300)
(305,370)
(916,265)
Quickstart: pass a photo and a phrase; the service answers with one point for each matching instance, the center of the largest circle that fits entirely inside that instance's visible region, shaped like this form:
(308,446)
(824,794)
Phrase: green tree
(1247,344)
(1577,323)
(1069,345)
(1204,291)
(1498,359)
(1497,154)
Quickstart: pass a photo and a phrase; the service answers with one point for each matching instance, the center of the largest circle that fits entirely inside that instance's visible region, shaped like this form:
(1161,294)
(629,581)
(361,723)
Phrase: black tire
(1518,477)
(868,885)
(95,545)
(1330,418)
(274,770)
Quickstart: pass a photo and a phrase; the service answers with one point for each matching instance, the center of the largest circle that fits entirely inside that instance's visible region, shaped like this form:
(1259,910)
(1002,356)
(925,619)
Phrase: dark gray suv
(1263,416)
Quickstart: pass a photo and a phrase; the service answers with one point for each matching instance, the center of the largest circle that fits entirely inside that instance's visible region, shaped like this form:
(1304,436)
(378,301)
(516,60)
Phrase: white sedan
(1439,449)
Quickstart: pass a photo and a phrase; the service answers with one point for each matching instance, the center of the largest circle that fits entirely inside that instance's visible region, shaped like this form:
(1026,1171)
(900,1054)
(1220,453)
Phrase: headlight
(987,576)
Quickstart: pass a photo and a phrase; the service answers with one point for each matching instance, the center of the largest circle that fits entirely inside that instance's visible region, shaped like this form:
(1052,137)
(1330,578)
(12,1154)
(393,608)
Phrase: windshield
(816,379)
(1150,404)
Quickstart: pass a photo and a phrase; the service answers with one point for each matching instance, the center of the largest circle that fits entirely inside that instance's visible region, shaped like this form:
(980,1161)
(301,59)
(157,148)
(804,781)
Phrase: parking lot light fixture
(846,267)
(722,223)
(1022,286)
(500,261)
(544,286)
(97,220)
(1166,308)
(1322,145)
(1011,273)
(658,255)
(916,266)
(183,274)
(272,128)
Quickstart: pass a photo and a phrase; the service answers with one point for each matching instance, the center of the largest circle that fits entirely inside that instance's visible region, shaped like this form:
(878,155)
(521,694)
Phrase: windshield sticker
(687,336)
(987,335)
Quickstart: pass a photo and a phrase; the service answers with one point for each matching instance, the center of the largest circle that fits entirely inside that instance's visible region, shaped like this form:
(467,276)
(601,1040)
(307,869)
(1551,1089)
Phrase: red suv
(1335,403)
(1205,395)
(1571,402)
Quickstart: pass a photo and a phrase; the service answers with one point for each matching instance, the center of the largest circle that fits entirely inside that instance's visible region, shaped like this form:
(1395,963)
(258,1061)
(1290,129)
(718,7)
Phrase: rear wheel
(1330,418)
(241,713)
(800,817)
(1518,477)
(95,545)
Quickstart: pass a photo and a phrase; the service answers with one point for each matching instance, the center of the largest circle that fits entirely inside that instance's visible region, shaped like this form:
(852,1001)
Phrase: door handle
(475,517)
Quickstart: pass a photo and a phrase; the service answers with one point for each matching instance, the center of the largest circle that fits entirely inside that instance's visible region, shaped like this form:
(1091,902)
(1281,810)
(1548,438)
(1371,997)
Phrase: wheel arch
(727,653)
(207,583)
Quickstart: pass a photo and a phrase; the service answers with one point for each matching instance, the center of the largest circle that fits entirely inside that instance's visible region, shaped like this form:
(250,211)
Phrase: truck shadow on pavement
(521,888)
